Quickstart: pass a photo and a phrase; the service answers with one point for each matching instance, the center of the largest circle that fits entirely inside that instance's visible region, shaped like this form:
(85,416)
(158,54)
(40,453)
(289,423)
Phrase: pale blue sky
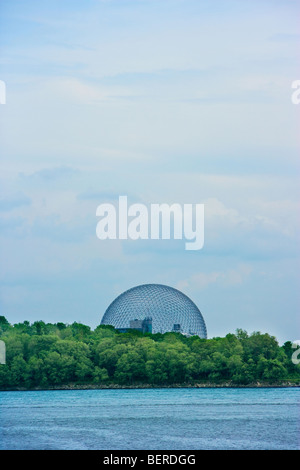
(165,101)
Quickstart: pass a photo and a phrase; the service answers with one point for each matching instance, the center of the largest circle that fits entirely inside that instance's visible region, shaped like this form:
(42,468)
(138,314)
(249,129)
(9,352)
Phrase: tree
(42,355)
(130,368)
(108,354)
(39,327)
(270,369)
(19,372)
(5,377)
(39,346)
(80,331)
(175,358)
(100,375)
(4,324)
(36,375)
(258,344)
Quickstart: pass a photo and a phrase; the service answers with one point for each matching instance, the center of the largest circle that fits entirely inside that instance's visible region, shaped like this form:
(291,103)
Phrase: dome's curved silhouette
(166,308)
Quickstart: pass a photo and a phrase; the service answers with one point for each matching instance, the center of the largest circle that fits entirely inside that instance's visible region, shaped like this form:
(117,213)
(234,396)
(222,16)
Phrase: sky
(169,101)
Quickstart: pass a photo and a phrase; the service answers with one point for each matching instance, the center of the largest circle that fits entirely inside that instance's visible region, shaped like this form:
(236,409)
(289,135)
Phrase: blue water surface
(151,419)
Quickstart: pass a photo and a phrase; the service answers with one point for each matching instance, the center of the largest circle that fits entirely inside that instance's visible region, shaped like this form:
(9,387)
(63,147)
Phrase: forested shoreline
(50,356)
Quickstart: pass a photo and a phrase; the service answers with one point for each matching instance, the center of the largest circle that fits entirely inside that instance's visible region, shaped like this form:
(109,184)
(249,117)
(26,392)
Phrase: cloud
(230,277)
(105,195)
(81,91)
(14,201)
(12,226)
(51,174)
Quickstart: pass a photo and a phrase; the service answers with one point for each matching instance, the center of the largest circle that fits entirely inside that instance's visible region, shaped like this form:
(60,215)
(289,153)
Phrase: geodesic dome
(169,309)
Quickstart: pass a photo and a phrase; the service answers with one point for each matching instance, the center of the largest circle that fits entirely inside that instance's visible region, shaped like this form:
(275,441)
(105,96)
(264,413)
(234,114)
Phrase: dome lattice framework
(165,306)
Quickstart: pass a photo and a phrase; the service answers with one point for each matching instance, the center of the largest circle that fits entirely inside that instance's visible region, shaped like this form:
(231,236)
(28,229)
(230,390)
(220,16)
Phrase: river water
(151,419)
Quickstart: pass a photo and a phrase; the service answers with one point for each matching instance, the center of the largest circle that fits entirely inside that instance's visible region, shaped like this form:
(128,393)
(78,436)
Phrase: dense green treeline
(47,355)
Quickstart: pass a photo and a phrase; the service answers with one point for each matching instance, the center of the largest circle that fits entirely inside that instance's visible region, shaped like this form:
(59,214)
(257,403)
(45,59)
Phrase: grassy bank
(92,386)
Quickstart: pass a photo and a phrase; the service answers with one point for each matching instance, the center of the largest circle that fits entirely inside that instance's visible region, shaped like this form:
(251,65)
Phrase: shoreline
(284,384)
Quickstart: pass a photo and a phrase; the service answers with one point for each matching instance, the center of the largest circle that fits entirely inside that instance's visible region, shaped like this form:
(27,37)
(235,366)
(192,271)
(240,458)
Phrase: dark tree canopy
(46,355)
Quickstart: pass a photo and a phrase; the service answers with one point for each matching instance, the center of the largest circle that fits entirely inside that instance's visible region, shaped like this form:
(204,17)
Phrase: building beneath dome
(155,308)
